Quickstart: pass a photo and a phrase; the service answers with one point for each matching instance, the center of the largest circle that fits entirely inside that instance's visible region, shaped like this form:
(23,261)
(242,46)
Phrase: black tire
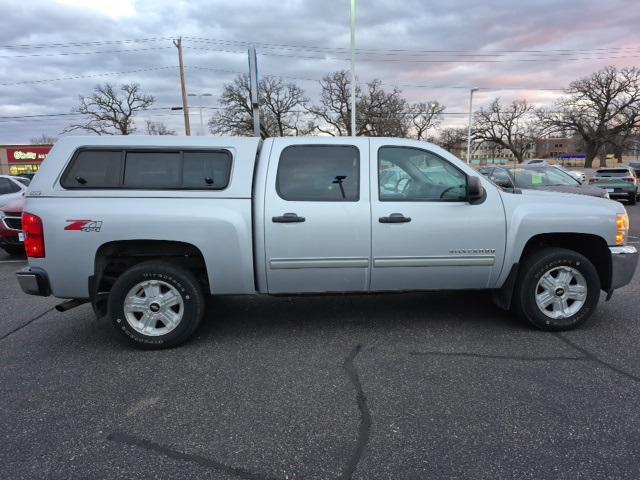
(183,281)
(533,268)
(632,199)
(14,249)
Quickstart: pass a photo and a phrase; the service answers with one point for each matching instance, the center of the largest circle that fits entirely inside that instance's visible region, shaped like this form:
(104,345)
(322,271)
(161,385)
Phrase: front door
(317,217)
(425,234)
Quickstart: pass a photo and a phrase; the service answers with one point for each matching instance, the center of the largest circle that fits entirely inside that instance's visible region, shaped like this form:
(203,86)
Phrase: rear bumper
(624,261)
(34,281)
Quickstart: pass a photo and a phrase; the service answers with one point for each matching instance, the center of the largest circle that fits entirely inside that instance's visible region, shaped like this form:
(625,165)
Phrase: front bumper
(34,281)
(624,261)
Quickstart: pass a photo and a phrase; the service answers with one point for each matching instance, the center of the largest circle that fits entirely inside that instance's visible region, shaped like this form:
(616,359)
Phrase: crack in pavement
(365,415)
(593,358)
(499,357)
(17,329)
(126,439)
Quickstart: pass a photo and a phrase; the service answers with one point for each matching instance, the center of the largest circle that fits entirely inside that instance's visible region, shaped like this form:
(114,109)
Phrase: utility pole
(253,88)
(353,68)
(470,121)
(183,85)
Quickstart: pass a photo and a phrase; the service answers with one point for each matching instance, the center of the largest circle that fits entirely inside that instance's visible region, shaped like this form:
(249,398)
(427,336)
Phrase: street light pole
(470,121)
(201,107)
(353,68)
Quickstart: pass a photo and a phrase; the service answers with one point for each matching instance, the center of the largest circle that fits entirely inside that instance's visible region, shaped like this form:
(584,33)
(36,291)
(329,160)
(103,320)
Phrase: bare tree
(423,116)
(452,139)
(282,109)
(513,127)
(110,110)
(601,109)
(158,128)
(334,108)
(378,112)
(43,139)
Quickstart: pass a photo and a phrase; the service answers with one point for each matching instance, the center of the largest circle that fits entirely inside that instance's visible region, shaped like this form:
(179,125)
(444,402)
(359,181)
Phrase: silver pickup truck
(145,228)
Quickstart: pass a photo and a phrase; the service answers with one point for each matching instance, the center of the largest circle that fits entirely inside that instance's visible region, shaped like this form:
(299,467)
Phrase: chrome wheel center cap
(154,307)
(559,292)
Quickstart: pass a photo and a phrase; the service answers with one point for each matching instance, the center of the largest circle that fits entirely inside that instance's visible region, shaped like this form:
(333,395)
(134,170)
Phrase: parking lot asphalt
(416,386)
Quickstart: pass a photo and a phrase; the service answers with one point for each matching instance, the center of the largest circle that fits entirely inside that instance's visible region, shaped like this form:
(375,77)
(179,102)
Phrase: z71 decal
(84,225)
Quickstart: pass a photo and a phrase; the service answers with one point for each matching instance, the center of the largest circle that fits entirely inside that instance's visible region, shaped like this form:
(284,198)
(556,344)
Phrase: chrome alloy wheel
(561,292)
(153,308)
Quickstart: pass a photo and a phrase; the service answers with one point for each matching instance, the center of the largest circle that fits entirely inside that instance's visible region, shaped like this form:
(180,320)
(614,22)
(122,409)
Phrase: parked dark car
(620,182)
(543,177)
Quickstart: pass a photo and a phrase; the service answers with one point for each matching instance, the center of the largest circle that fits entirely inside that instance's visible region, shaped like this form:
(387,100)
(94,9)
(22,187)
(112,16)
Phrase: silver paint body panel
(341,247)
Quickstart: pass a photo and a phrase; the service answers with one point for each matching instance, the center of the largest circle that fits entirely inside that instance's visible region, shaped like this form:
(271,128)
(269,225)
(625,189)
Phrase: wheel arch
(114,258)
(593,247)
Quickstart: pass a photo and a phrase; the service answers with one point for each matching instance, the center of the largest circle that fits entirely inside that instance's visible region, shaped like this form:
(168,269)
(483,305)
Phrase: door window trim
(359,166)
(434,200)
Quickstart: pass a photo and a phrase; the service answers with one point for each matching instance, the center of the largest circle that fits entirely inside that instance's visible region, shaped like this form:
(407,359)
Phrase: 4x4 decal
(84,225)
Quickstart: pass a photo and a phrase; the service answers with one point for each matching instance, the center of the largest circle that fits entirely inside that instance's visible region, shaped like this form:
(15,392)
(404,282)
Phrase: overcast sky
(517,46)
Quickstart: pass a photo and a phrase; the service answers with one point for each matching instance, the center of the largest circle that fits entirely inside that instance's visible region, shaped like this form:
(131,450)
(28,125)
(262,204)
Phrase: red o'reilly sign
(27,154)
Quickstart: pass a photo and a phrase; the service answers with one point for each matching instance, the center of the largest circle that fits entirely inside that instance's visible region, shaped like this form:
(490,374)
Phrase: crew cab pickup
(145,228)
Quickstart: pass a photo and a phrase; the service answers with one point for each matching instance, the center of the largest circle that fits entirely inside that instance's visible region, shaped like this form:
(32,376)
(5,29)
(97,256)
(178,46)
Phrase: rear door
(317,216)
(425,234)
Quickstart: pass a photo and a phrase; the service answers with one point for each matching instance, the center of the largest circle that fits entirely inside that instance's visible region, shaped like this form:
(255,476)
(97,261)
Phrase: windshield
(22,180)
(618,172)
(542,177)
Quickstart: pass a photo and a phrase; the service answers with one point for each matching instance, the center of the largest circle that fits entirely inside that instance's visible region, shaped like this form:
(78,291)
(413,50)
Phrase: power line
(83,44)
(77,77)
(83,53)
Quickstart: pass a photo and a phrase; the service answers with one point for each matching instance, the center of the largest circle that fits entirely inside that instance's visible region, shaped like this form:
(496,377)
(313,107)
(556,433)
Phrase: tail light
(33,235)
(629,179)
(593,180)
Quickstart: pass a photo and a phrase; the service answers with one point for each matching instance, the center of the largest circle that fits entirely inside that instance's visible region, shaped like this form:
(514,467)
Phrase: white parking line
(13,261)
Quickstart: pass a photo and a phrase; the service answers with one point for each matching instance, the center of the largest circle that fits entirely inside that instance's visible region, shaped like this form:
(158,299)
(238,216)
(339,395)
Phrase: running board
(69,304)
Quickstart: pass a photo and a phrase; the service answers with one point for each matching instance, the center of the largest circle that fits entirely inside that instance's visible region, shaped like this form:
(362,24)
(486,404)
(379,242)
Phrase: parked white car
(12,188)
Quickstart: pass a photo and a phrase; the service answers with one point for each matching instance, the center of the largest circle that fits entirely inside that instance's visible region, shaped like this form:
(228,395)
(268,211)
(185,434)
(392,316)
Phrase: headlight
(622,225)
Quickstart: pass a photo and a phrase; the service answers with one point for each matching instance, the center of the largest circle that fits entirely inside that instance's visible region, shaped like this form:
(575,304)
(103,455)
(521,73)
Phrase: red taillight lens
(593,180)
(628,179)
(33,235)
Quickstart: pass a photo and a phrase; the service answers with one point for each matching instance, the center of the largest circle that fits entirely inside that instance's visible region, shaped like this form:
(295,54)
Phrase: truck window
(152,169)
(94,169)
(319,173)
(206,170)
(413,175)
(149,169)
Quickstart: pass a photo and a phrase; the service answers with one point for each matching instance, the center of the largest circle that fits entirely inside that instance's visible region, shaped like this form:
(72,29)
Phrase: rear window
(617,172)
(149,169)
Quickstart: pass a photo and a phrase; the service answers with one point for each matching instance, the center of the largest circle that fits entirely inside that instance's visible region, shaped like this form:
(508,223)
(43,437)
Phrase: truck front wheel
(557,289)
(156,305)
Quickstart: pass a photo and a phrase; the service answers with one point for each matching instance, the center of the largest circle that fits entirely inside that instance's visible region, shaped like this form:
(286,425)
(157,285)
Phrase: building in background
(22,159)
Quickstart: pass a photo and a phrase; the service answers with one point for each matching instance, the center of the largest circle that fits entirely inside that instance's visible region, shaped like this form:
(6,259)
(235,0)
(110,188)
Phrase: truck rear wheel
(557,289)
(156,305)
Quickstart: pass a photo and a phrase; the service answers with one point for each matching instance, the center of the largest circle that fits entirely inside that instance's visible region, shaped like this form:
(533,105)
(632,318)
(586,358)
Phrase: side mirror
(503,183)
(475,190)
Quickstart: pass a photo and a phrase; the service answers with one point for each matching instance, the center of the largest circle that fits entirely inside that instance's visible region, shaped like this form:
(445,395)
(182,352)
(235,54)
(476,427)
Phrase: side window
(319,173)
(206,170)
(94,169)
(411,174)
(13,186)
(152,169)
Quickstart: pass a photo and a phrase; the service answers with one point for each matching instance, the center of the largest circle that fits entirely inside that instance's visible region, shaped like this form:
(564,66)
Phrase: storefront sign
(33,155)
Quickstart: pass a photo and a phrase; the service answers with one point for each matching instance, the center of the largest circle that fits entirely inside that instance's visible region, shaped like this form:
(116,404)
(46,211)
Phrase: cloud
(434,50)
